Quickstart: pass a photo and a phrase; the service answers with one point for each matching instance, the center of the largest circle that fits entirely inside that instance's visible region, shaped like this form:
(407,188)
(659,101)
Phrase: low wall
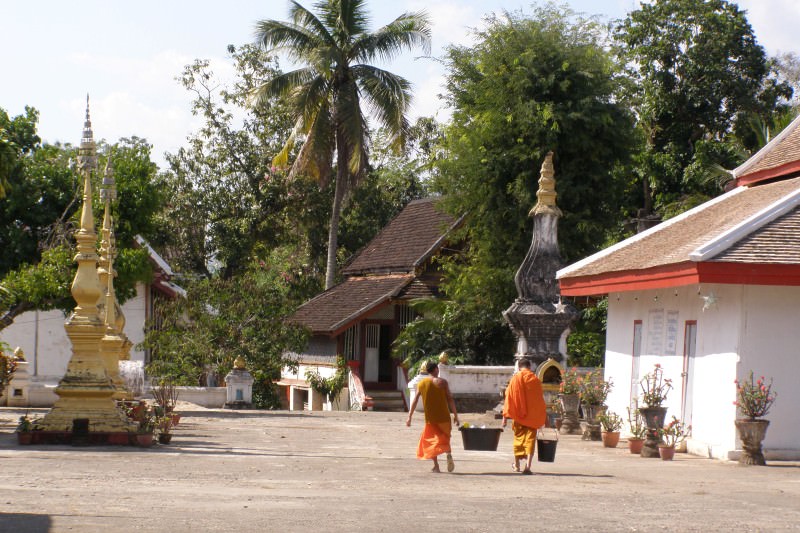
(209,397)
(475,403)
(473,379)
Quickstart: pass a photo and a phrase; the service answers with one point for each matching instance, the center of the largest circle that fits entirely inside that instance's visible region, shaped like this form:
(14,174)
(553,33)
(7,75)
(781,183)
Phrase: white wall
(476,379)
(771,348)
(49,352)
(664,314)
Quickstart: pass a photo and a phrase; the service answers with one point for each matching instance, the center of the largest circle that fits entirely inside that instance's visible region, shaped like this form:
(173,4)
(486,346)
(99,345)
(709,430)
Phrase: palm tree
(327,94)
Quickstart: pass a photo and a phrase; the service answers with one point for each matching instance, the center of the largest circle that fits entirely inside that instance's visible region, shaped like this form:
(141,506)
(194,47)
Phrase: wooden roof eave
(381,302)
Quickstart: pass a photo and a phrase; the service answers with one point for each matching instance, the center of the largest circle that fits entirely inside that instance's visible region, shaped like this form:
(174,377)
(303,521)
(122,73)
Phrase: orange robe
(525,405)
(435,438)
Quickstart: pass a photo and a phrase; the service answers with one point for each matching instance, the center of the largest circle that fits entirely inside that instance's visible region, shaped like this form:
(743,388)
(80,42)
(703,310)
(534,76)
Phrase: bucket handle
(540,435)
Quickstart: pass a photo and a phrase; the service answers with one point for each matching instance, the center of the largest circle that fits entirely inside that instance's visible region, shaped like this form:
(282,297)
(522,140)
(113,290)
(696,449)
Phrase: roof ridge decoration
(742,170)
(751,224)
(643,235)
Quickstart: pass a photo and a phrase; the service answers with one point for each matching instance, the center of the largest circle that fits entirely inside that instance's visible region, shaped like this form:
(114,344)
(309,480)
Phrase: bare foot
(527,472)
(515,467)
(450,464)
(436,470)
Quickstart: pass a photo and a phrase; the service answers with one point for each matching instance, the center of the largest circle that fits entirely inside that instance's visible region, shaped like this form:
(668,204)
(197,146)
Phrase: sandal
(527,472)
(450,464)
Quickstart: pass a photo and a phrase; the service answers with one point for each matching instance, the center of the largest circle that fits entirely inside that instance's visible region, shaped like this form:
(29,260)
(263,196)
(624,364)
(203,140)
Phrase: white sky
(126,55)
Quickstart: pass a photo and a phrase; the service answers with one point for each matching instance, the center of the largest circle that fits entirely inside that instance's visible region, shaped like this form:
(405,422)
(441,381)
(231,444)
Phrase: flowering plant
(593,389)
(570,382)
(655,387)
(674,432)
(610,421)
(754,399)
(636,423)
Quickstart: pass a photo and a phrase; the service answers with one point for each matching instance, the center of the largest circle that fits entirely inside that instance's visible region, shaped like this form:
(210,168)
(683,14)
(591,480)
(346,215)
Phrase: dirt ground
(348,471)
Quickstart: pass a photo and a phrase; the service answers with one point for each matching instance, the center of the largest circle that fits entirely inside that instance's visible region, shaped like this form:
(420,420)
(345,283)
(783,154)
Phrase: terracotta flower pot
(666,452)
(24,437)
(145,440)
(635,445)
(165,438)
(610,439)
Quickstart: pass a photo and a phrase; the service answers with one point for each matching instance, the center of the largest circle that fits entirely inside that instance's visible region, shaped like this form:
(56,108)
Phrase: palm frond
(354,132)
(347,19)
(406,32)
(389,97)
(304,18)
(295,41)
(281,85)
(316,155)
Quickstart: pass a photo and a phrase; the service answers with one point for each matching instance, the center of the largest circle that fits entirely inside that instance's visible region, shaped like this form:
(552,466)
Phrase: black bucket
(484,439)
(546,447)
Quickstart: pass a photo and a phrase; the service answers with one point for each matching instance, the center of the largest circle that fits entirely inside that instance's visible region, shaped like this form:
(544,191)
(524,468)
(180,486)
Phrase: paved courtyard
(282,471)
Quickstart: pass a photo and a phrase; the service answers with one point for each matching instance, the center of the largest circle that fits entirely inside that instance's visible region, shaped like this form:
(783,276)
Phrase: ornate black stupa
(538,317)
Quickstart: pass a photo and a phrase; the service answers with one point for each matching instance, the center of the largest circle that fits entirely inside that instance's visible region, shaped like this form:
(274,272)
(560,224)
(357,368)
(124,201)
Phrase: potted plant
(569,400)
(146,429)
(654,393)
(24,429)
(612,424)
(166,395)
(593,391)
(670,435)
(637,429)
(753,400)
(164,426)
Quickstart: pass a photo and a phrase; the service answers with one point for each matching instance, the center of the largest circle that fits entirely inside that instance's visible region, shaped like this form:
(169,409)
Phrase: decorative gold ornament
(546,195)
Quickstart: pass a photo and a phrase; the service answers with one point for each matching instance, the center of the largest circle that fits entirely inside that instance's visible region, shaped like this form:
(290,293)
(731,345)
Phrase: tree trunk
(338,196)
(7,318)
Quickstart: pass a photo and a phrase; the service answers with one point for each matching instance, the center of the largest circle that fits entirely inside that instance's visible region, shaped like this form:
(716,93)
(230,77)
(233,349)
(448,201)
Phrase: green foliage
(586,345)
(700,76)
(331,386)
(222,319)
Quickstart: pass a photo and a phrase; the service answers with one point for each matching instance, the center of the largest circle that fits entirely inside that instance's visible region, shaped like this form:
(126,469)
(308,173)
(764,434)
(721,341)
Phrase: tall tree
(531,84)
(336,48)
(700,74)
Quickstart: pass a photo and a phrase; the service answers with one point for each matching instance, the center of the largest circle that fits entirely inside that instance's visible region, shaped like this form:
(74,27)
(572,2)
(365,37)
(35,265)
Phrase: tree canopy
(700,75)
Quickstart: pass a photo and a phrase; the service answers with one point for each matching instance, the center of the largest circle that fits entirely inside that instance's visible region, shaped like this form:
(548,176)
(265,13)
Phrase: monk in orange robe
(524,404)
(438,404)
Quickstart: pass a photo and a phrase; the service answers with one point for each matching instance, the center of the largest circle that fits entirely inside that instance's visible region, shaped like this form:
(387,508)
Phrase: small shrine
(239,384)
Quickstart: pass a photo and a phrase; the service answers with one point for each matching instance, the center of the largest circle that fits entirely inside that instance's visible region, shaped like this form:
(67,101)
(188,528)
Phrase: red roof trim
(769,173)
(631,280)
(680,274)
(750,273)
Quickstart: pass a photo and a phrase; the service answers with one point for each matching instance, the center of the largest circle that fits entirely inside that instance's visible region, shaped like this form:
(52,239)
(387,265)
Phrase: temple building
(711,295)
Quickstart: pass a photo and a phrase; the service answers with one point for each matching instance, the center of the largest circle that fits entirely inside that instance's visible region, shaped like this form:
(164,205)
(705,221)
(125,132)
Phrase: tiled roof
(335,308)
(779,157)
(425,286)
(776,242)
(406,242)
(677,240)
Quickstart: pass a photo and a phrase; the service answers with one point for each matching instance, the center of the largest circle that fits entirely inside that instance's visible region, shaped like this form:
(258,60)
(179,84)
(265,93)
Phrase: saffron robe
(435,438)
(525,405)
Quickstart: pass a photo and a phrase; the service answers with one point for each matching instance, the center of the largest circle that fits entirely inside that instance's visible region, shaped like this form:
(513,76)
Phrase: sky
(126,55)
